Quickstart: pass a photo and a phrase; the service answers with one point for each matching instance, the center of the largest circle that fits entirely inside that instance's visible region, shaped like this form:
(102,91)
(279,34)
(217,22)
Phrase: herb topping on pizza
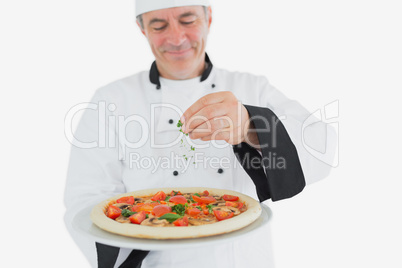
(175,209)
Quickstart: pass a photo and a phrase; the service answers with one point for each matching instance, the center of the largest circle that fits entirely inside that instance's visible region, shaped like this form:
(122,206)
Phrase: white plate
(83,224)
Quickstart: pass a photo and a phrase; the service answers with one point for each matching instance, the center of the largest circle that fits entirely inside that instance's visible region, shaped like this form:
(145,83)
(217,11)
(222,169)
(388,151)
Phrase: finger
(202,102)
(223,134)
(211,126)
(204,115)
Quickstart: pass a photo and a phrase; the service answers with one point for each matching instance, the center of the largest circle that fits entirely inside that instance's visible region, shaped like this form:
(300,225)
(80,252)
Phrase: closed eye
(160,28)
(187,22)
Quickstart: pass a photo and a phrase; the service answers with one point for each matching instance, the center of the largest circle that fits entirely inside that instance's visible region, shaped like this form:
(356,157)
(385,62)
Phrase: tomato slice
(181,222)
(174,193)
(154,204)
(193,211)
(159,196)
(205,211)
(223,215)
(126,200)
(137,218)
(161,210)
(227,197)
(205,193)
(136,208)
(178,199)
(146,208)
(231,204)
(204,199)
(113,212)
(238,205)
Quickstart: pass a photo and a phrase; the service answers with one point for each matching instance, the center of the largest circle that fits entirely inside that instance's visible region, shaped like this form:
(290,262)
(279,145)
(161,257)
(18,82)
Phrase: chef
(238,133)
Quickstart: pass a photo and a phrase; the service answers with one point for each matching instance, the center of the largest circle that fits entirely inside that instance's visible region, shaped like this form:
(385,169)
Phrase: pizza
(176,213)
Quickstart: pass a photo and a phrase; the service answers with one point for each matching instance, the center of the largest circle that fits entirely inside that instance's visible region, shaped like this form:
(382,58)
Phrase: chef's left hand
(219,116)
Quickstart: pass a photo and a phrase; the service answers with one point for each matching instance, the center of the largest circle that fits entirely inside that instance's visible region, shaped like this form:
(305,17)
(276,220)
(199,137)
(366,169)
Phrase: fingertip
(182,119)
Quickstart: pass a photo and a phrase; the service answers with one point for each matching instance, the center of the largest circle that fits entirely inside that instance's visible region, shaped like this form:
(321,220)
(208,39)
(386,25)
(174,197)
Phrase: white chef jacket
(114,166)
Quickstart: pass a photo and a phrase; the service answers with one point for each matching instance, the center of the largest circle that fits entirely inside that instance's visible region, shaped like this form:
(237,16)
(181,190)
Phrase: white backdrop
(55,54)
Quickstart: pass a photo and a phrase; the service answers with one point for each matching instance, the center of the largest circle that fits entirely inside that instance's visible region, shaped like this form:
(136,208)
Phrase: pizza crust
(100,219)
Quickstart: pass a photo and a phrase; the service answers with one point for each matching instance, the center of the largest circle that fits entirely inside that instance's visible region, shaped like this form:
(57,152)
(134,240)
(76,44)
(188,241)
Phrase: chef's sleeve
(94,172)
(295,148)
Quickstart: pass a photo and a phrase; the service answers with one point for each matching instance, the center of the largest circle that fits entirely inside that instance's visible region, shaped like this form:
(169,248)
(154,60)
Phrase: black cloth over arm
(277,174)
(107,257)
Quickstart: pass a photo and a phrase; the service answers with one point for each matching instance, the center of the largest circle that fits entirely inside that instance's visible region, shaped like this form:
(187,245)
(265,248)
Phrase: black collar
(154,73)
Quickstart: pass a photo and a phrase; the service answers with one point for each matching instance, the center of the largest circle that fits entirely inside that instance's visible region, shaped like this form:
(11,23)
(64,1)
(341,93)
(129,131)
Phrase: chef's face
(178,37)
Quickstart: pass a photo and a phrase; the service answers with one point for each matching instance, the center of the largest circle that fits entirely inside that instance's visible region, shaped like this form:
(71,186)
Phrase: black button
(170,121)
(158,87)
(175,173)
(220,171)
(213,85)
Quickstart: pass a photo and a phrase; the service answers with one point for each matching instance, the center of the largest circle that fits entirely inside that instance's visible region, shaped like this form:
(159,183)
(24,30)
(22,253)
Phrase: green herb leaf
(197,194)
(170,217)
(167,198)
(127,213)
(179,124)
(199,208)
(210,208)
(179,209)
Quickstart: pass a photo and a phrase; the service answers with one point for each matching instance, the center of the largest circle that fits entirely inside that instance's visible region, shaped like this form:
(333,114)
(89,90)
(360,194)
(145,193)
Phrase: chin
(180,67)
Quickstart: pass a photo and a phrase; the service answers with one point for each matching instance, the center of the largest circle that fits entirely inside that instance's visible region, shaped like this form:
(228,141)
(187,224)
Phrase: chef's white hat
(144,6)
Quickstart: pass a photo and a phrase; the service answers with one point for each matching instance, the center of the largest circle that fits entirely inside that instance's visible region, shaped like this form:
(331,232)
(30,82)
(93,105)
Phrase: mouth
(179,53)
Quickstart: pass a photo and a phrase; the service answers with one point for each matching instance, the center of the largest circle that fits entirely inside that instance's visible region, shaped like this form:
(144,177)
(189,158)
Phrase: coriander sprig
(180,125)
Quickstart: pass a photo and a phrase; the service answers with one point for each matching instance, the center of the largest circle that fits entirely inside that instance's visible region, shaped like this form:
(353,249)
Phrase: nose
(176,34)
